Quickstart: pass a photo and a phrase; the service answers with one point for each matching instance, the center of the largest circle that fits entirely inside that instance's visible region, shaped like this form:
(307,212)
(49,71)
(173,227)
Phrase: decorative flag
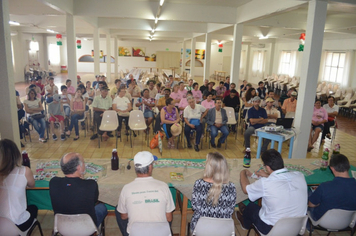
(220,47)
(92,53)
(101,53)
(79,44)
(59,39)
(301,42)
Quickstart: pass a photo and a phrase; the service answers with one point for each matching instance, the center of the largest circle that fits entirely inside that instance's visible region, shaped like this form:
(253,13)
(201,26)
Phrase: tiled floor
(345,136)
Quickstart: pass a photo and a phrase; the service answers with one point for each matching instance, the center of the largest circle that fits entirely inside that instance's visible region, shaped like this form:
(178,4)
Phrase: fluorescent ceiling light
(14,23)
(153,30)
(156,20)
(263,37)
(161,2)
(85,39)
(51,31)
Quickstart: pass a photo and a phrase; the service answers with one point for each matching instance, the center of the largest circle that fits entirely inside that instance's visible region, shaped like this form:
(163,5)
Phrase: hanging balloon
(79,44)
(301,42)
(59,39)
(220,47)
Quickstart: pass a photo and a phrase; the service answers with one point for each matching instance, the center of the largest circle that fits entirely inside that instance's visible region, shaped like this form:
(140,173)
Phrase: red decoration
(79,44)
(59,39)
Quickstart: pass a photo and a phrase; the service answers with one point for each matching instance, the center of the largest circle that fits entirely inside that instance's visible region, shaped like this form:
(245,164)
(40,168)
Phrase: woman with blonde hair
(14,178)
(213,196)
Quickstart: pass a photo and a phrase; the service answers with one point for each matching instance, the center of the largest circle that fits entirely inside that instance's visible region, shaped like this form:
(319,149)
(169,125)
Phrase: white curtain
(287,63)
(168,59)
(258,63)
(349,58)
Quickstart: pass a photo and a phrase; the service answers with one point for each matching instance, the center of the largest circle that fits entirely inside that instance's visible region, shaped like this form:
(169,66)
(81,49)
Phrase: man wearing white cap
(145,199)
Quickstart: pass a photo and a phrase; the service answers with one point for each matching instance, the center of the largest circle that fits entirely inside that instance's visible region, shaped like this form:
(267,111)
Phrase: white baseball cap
(143,159)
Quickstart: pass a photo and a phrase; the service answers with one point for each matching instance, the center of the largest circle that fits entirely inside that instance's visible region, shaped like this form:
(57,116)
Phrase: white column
(192,58)
(248,51)
(207,55)
(45,53)
(272,48)
(309,75)
(96,42)
(183,56)
(116,58)
(8,116)
(108,57)
(71,49)
(236,54)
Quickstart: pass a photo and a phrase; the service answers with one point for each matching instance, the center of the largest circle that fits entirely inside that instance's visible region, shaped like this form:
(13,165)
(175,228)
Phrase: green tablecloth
(42,199)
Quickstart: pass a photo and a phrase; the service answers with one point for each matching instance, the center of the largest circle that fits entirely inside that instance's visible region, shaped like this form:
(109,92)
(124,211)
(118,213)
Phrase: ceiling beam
(148,9)
(64,6)
(93,21)
(260,8)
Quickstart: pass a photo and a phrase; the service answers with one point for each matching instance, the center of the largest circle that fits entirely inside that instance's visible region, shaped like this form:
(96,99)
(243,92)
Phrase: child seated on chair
(55,110)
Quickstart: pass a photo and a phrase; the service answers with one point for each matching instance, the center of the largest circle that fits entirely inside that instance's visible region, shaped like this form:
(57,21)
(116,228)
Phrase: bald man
(73,194)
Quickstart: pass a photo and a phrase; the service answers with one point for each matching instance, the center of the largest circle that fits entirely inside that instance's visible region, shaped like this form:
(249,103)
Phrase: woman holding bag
(170,118)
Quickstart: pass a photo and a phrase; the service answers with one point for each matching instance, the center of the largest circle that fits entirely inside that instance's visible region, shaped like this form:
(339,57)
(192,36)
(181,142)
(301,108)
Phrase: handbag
(194,122)
(37,116)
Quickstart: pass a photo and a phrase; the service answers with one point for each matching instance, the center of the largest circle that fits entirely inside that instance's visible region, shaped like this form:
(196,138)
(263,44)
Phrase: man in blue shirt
(257,118)
(336,194)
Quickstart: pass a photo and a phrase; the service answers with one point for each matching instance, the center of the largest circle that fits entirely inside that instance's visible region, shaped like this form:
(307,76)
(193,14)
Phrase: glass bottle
(114,160)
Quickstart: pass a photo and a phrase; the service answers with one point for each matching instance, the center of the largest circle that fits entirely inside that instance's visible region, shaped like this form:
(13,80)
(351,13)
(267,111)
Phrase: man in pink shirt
(70,88)
(220,90)
(182,91)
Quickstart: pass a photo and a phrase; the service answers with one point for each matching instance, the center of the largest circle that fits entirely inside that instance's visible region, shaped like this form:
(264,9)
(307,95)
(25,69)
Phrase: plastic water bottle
(324,159)
(26,160)
(114,160)
(247,158)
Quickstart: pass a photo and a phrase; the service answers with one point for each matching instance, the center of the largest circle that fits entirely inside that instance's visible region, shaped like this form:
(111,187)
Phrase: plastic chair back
(230,112)
(137,120)
(289,226)
(336,219)
(150,229)
(109,121)
(79,225)
(208,226)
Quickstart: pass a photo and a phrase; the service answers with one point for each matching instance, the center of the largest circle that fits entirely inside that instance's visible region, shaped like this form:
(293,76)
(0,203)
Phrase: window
(287,63)
(334,66)
(54,54)
(258,63)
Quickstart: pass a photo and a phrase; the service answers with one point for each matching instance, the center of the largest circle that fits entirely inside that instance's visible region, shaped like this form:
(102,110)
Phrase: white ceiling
(132,20)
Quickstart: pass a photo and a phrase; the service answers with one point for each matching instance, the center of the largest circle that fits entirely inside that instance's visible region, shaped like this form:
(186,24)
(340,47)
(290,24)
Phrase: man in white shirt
(145,199)
(332,110)
(193,117)
(283,192)
(272,113)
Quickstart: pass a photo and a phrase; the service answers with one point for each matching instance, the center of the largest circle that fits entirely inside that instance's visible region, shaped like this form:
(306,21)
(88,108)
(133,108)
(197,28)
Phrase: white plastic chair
(109,122)
(136,122)
(78,225)
(208,226)
(150,229)
(85,120)
(231,118)
(8,228)
(335,220)
(290,226)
